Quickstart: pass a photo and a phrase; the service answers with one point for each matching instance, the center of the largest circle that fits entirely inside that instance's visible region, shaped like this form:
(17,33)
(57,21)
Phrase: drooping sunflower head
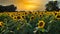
(41,24)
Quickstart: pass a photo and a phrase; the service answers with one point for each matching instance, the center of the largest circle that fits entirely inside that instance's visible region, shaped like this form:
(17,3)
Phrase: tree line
(52,6)
(10,8)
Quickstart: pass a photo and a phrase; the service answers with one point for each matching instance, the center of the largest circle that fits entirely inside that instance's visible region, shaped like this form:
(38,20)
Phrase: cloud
(6,2)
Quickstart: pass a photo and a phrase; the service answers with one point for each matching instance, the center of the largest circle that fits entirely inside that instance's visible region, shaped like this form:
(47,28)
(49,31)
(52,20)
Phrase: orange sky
(30,4)
(26,4)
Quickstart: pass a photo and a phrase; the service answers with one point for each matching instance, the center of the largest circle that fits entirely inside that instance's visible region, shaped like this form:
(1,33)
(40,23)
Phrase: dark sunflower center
(58,16)
(18,17)
(0,26)
(32,17)
(12,15)
(30,12)
(40,15)
(18,14)
(40,24)
(55,13)
(22,16)
(35,13)
(25,13)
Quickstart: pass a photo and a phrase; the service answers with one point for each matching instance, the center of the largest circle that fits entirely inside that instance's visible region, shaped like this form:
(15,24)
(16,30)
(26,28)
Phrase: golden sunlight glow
(30,4)
(27,4)
(30,7)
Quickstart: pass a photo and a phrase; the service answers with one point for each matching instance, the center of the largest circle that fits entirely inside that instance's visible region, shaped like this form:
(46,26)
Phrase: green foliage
(29,26)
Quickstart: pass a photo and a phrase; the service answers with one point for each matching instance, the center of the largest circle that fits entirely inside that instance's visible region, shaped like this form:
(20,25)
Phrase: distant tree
(52,6)
(10,8)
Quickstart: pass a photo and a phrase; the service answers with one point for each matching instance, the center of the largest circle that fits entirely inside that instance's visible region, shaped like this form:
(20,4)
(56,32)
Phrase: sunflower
(14,18)
(20,17)
(40,15)
(41,24)
(35,13)
(55,13)
(57,16)
(30,12)
(17,18)
(10,14)
(39,12)
(26,13)
(1,23)
(32,17)
(20,13)
(48,13)
(23,13)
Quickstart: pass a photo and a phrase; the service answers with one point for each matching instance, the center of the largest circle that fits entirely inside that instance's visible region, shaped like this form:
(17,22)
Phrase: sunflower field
(30,22)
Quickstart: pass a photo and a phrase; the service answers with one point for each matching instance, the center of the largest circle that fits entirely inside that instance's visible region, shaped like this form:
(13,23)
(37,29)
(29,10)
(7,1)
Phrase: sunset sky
(26,4)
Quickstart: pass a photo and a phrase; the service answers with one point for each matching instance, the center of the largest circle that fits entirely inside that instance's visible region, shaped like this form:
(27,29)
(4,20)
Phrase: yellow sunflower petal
(41,24)
(1,24)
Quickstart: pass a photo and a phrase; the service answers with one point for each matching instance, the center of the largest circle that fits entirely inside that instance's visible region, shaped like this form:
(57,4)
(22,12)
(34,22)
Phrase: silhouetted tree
(52,6)
(10,8)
